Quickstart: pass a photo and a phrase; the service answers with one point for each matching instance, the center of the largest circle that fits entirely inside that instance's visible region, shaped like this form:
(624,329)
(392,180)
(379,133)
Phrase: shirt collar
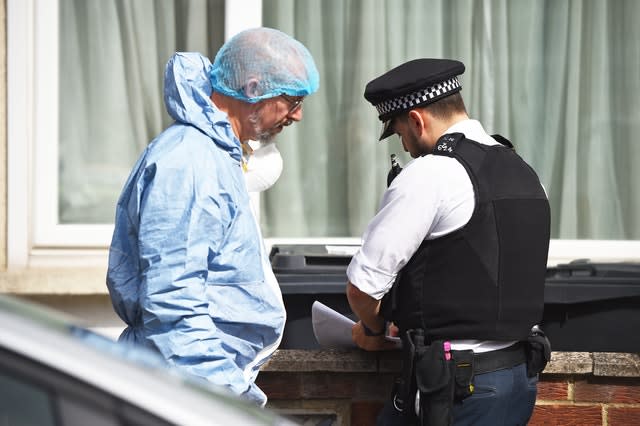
(473,130)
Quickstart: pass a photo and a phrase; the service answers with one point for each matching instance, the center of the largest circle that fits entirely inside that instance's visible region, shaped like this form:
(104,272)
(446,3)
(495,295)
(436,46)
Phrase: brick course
(354,385)
(566,415)
(623,416)
(553,389)
(621,391)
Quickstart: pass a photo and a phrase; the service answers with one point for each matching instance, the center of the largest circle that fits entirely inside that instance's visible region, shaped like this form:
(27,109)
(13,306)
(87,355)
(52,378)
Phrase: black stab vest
(485,280)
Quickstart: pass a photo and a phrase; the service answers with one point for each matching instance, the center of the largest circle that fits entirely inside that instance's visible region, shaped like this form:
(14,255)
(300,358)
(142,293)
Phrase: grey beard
(263,136)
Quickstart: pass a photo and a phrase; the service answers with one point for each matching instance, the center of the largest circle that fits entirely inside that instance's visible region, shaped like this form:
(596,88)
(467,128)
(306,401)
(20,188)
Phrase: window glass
(559,79)
(112,57)
(24,404)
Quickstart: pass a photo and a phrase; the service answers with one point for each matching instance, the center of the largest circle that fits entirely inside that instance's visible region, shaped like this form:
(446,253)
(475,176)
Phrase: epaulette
(447,143)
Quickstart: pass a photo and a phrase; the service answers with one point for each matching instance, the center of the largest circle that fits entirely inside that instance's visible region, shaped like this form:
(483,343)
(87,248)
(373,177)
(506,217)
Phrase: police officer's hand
(393,330)
(370,343)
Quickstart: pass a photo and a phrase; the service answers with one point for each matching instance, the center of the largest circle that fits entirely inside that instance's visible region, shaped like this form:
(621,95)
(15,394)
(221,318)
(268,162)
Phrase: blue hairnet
(262,63)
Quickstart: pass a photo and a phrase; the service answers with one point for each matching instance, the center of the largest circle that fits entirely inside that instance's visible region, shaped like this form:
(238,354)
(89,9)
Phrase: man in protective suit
(188,272)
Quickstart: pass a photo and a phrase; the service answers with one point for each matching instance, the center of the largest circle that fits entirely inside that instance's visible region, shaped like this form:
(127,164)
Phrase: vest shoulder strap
(447,144)
(504,141)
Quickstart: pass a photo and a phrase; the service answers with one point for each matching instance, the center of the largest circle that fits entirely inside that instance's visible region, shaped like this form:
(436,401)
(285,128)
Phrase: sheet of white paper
(331,328)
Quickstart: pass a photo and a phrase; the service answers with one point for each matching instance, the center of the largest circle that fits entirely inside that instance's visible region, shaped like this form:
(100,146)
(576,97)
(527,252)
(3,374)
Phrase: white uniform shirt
(432,196)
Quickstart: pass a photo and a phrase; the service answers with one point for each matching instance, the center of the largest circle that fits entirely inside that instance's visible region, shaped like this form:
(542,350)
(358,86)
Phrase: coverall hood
(187,93)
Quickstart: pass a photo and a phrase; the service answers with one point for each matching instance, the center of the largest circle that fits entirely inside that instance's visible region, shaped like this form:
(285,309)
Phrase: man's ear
(417,122)
(251,89)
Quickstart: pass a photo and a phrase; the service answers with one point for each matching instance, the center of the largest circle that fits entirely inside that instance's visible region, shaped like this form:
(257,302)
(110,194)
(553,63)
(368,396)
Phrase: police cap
(415,83)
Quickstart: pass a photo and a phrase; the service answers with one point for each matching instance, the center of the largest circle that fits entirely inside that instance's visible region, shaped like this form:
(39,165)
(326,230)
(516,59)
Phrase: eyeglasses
(294,102)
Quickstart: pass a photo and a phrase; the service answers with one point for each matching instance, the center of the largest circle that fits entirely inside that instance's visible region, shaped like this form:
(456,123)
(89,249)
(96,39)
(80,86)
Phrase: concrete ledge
(609,364)
(329,360)
(601,364)
(570,363)
(54,281)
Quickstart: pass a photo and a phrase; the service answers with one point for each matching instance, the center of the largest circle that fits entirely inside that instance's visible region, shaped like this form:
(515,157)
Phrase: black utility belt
(441,376)
(487,362)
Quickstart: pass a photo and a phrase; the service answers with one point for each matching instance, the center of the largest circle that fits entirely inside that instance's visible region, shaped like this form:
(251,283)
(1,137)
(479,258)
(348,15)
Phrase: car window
(24,404)
(52,400)
(77,413)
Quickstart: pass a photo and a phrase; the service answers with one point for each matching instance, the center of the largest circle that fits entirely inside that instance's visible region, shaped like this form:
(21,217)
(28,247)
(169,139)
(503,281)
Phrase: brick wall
(348,388)
(586,401)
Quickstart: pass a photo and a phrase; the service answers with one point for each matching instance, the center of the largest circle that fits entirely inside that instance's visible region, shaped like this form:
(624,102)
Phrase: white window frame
(34,236)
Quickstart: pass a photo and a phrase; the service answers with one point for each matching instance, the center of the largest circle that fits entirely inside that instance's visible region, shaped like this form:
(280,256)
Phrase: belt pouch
(464,373)
(538,350)
(434,379)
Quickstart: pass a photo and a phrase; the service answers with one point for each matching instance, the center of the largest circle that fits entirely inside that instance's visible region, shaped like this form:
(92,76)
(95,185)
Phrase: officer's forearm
(365,307)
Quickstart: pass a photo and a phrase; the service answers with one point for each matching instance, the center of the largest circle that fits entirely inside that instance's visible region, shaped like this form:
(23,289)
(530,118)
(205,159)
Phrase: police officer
(455,258)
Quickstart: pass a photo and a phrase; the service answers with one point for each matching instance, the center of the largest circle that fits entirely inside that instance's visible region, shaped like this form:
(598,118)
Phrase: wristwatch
(371,333)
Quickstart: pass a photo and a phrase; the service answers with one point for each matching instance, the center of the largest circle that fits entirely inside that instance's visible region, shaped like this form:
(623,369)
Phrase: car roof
(133,374)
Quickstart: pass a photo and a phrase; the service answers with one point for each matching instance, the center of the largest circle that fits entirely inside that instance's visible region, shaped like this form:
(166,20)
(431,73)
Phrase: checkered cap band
(405,102)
